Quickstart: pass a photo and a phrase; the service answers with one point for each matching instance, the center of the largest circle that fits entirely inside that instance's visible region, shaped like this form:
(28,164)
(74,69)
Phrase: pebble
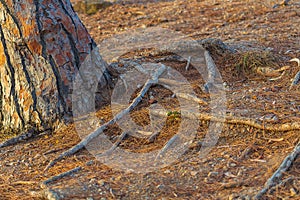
(213,174)
(232,165)
(89,163)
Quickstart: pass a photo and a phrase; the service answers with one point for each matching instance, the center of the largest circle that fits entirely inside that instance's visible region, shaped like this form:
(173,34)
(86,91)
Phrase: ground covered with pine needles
(245,156)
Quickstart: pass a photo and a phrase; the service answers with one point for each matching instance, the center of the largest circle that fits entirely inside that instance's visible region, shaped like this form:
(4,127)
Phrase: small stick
(191,97)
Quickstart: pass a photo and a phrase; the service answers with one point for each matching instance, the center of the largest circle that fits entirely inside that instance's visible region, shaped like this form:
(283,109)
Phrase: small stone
(167,172)
(232,165)
(89,163)
(293,192)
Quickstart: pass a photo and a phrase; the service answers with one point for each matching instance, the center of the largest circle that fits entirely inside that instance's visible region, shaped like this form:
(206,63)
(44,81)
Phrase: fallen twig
(285,165)
(150,82)
(59,176)
(167,83)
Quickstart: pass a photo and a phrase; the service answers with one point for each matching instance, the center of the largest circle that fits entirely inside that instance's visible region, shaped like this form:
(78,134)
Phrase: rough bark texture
(43,44)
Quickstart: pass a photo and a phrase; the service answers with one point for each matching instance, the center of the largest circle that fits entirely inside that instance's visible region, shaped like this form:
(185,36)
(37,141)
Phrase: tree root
(116,144)
(237,120)
(135,102)
(20,138)
(166,84)
(285,165)
(60,176)
(202,116)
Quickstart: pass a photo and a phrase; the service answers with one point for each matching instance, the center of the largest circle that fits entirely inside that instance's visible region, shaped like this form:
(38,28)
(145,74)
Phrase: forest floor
(244,157)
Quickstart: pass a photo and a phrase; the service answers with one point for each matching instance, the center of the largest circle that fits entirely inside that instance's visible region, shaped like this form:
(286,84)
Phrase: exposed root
(62,175)
(237,120)
(117,143)
(20,138)
(153,136)
(167,145)
(285,165)
(166,84)
(96,133)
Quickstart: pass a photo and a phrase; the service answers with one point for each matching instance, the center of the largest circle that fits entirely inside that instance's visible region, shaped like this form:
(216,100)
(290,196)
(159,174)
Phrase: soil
(244,157)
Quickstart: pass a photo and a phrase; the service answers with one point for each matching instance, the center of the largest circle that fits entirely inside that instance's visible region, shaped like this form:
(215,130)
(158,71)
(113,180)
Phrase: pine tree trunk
(43,44)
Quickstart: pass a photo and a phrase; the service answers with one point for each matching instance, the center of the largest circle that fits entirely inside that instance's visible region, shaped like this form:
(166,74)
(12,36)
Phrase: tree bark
(43,43)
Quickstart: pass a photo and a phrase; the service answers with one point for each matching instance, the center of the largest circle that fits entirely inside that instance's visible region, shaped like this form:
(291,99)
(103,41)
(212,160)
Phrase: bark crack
(12,16)
(73,46)
(59,83)
(71,18)
(12,74)
(32,88)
